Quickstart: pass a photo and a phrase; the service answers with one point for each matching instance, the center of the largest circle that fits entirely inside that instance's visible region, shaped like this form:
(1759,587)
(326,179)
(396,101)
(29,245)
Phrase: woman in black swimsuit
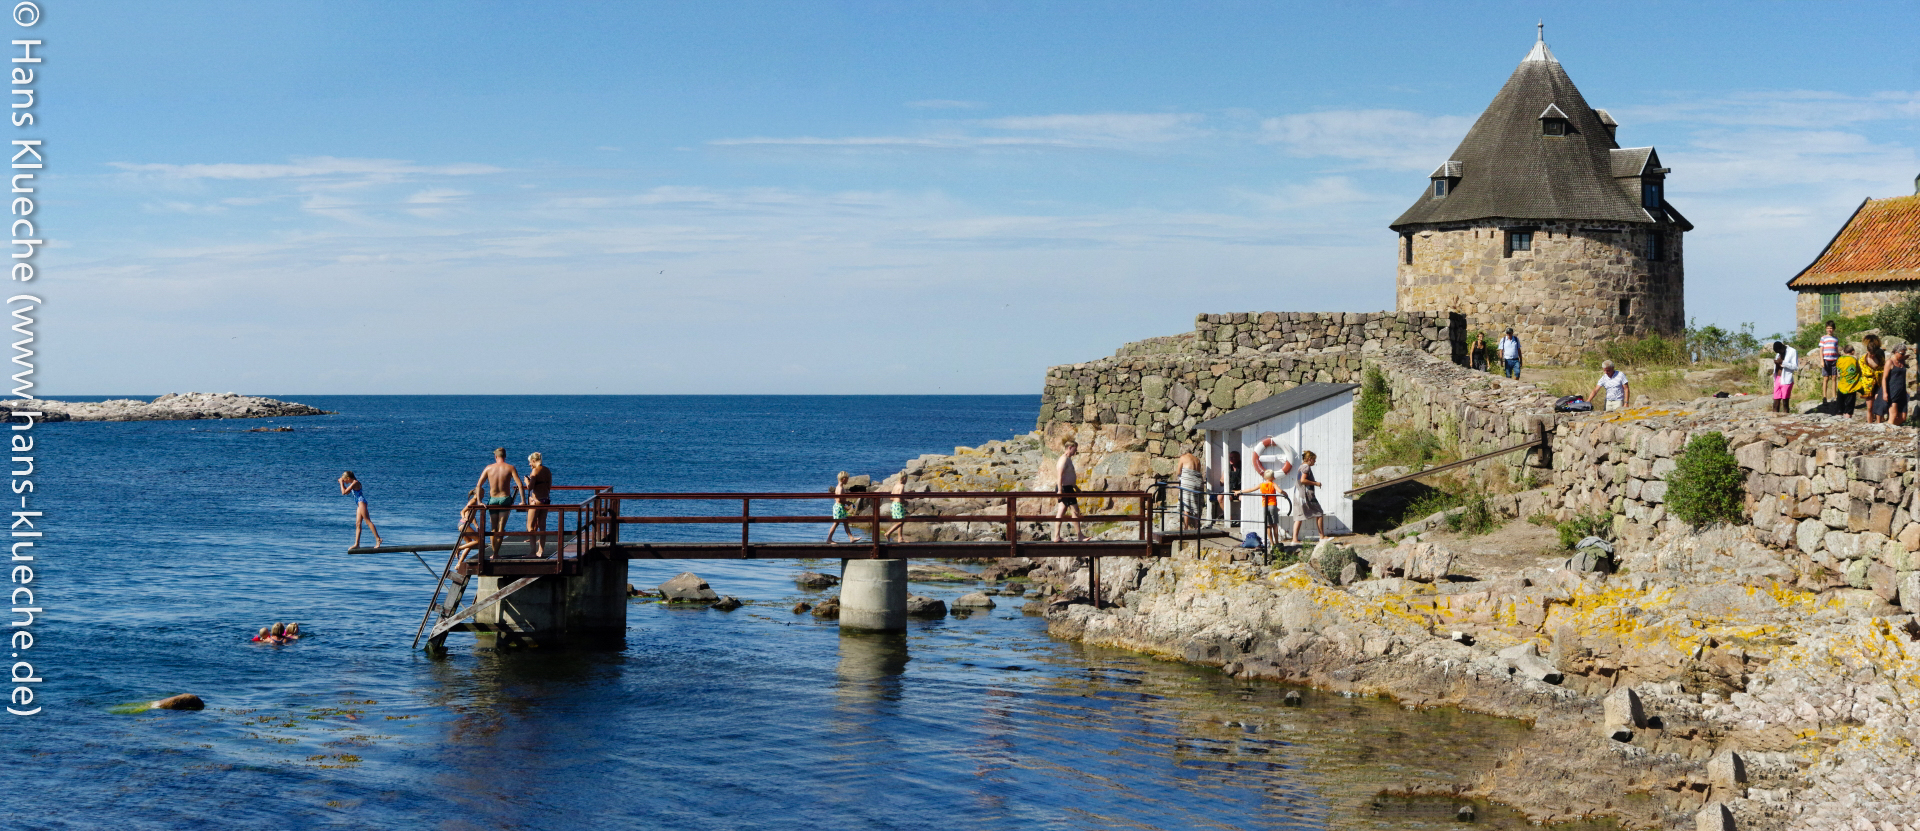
(1893,388)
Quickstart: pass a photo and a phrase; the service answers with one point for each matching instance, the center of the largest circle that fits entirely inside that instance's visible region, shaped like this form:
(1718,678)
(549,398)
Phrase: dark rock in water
(829,609)
(1232,668)
(816,580)
(183,701)
(1465,814)
(636,592)
(1292,698)
(928,607)
(973,599)
(1013,590)
(687,588)
(802,607)
(1010,567)
(728,603)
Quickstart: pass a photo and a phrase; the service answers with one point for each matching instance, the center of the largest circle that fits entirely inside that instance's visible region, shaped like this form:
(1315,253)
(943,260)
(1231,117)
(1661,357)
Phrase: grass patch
(1474,519)
(1375,398)
(1581,527)
(1431,503)
(1406,447)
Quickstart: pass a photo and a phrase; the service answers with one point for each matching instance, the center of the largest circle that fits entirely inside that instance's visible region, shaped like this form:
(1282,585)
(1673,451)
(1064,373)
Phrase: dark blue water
(170,542)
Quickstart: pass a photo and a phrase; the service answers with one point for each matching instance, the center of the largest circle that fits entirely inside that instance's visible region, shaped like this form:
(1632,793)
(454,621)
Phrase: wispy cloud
(1061,132)
(1780,108)
(312,167)
(1393,139)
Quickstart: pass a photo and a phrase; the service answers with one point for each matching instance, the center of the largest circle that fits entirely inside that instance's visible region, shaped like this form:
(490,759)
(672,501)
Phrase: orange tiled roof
(1879,244)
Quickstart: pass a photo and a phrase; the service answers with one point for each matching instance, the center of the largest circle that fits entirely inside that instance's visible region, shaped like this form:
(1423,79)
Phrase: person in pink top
(1829,363)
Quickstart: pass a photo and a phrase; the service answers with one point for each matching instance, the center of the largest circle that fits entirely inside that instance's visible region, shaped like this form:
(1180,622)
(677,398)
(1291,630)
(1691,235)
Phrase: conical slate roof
(1508,168)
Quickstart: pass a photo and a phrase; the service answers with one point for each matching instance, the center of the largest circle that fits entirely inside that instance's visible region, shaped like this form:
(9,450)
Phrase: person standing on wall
(1618,394)
(1872,366)
(1891,399)
(1829,365)
(1786,361)
(1847,382)
(1510,354)
(1477,354)
(1193,491)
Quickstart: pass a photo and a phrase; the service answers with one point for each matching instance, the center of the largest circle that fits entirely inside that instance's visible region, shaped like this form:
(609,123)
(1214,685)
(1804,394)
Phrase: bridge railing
(873,515)
(558,529)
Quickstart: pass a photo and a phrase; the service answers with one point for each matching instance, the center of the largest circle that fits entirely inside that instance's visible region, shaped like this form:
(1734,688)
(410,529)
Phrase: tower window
(1519,241)
(1626,306)
(1650,195)
(1553,127)
(1406,248)
(1829,306)
(1439,187)
(1655,249)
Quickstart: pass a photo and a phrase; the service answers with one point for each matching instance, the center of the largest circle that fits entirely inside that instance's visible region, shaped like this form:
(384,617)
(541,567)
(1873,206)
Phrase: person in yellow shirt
(1849,380)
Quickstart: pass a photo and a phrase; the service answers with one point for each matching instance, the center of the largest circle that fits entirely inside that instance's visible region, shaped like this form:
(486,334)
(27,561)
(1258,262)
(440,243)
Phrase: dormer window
(1650,194)
(1445,177)
(1553,122)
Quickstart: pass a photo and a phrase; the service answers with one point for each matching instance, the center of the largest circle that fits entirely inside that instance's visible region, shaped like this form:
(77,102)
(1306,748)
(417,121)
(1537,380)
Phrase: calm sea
(170,542)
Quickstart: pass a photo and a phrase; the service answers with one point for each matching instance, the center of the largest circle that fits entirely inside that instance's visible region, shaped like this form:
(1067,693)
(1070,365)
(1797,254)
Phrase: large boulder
(1421,561)
(183,701)
(973,600)
(1621,714)
(728,603)
(1524,659)
(829,609)
(926,607)
(816,580)
(687,587)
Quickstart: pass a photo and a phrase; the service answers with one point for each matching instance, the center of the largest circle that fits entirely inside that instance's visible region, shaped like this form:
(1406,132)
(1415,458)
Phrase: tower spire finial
(1541,36)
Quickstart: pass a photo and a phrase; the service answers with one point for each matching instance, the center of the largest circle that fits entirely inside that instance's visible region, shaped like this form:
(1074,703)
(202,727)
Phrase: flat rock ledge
(169,407)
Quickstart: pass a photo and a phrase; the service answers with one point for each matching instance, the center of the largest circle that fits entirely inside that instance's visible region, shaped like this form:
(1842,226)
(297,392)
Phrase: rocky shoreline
(170,407)
(1709,681)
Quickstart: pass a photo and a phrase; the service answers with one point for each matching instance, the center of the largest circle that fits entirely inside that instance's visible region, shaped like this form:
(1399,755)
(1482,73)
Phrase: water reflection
(871,666)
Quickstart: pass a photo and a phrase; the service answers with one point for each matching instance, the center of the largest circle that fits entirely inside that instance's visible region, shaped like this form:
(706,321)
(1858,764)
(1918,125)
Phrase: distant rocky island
(169,407)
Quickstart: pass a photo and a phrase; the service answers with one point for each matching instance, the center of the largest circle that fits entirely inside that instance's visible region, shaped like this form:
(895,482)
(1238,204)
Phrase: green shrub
(1432,503)
(1407,447)
(1712,343)
(1375,398)
(1598,524)
(1474,519)
(1901,318)
(1705,485)
(1845,328)
(1649,350)
(1335,559)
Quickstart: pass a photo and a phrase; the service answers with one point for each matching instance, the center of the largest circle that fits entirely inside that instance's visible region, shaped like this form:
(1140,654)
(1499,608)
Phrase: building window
(1626,306)
(1650,195)
(1655,249)
(1829,306)
(1406,248)
(1519,241)
(1439,187)
(1553,126)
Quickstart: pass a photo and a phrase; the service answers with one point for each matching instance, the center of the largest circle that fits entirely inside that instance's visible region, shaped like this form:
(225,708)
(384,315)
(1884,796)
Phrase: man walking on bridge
(499,480)
(1068,481)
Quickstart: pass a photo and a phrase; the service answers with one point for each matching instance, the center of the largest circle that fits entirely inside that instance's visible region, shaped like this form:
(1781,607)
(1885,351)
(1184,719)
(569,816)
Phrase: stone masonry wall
(1312,333)
(1854,300)
(1838,494)
(1561,296)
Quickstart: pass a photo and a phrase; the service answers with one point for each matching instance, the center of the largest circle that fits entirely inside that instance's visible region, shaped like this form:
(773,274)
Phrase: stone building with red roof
(1872,262)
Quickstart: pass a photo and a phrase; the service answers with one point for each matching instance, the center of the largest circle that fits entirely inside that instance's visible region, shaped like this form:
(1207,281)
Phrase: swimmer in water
(293,632)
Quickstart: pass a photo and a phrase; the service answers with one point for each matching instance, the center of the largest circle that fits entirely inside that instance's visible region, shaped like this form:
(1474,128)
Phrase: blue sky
(713,197)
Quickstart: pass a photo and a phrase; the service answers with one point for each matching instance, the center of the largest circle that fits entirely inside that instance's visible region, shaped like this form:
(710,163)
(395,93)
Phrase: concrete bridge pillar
(873,595)
(589,606)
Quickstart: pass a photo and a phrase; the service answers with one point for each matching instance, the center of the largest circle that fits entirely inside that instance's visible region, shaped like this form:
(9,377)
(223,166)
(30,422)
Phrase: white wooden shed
(1316,417)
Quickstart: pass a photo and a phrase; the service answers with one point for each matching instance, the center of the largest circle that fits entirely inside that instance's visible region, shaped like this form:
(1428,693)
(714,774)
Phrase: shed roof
(1273,405)
(1879,244)
(1513,171)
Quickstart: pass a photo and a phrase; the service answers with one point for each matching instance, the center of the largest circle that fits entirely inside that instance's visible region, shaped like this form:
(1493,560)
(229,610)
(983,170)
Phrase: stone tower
(1542,222)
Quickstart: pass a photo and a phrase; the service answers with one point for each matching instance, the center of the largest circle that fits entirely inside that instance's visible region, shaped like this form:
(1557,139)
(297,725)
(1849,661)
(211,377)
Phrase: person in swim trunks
(1069,480)
(840,508)
(350,486)
(897,511)
(1193,491)
(498,481)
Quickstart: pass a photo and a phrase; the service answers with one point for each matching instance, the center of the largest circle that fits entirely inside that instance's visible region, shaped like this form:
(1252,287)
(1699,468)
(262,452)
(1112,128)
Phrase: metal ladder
(451,615)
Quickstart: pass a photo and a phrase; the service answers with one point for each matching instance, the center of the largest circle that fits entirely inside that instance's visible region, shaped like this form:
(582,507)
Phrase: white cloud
(312,167)
(1780,108)
(1058,132)
(1392,139)
(1766,158)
